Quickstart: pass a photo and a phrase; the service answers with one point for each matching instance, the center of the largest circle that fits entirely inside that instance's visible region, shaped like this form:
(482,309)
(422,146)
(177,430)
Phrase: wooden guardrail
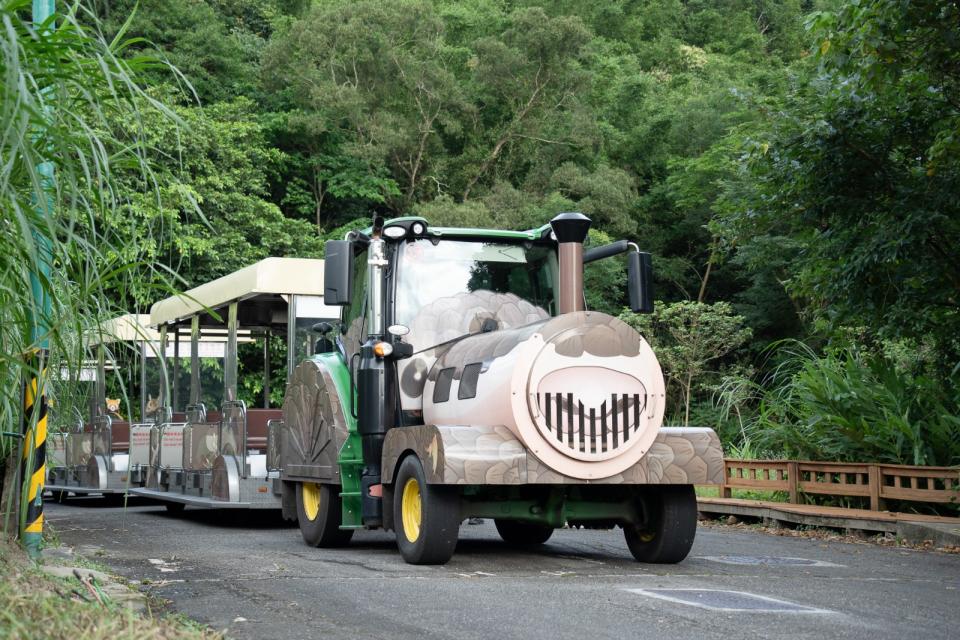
(878,482)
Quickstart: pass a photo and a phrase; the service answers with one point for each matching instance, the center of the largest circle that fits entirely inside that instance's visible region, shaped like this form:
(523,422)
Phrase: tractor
(467,379)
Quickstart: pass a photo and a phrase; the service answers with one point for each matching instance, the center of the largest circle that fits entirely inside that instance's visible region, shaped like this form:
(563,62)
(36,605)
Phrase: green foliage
(858,169)
(61,93)
(213,196)
(688,337)
(855,406)
(373,83)
(794,175)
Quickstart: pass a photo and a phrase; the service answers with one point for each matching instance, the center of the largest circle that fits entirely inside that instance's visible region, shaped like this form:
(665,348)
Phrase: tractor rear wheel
(669,527)
(426,516)
(318,514)
(523,534)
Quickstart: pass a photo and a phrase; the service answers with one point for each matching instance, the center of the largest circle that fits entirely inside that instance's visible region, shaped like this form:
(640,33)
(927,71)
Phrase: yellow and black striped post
(34,467)
(34,464)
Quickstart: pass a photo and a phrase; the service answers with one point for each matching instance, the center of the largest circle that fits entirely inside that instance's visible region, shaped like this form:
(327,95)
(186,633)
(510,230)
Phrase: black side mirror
(338,272)
(640,281)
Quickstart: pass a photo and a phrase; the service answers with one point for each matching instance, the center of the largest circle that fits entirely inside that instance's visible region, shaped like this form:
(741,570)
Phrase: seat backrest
(257,426)
(120,435)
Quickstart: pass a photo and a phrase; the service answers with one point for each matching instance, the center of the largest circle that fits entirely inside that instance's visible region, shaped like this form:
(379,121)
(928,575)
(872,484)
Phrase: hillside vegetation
(791,165)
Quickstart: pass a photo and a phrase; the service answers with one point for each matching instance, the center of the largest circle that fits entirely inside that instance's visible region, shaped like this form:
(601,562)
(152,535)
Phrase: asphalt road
(253,577)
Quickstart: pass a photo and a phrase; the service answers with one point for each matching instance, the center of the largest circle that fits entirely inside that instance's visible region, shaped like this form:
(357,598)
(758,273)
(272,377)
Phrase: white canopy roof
(127,328)
(280,276)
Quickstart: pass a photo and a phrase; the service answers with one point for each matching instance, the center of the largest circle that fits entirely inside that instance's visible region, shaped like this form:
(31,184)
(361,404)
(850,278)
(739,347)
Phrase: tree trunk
(507,134)
(318,195)
(706,275)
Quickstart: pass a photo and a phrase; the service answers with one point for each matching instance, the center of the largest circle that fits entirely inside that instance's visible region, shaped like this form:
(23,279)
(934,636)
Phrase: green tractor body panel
(349,458)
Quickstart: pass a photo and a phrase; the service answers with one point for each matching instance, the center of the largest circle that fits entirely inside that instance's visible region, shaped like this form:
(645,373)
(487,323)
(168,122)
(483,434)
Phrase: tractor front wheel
(318,514)
(669,525)
(426,516)
(523,534)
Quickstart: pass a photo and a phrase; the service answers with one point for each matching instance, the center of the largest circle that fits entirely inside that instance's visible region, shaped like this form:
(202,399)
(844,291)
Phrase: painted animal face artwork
(152,404)
(113,405)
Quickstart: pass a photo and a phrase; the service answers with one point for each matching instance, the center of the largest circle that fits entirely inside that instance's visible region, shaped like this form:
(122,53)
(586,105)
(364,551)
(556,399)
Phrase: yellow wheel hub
(410,509)
(311,500)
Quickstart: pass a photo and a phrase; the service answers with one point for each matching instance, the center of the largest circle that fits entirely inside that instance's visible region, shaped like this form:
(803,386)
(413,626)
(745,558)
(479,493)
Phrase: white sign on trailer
(140,445)
(171,447)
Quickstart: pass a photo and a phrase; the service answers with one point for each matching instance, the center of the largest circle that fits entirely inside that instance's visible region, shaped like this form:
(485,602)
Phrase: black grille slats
(591,430)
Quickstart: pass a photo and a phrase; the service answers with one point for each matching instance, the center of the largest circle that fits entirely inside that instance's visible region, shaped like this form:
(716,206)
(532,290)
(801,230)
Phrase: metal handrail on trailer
(229,460)
(89,459)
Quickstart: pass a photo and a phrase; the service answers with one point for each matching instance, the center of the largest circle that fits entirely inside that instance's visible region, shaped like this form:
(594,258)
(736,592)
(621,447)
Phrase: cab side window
(354,315)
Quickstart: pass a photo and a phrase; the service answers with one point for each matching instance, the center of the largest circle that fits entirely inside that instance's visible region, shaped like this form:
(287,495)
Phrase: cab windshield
(429,272)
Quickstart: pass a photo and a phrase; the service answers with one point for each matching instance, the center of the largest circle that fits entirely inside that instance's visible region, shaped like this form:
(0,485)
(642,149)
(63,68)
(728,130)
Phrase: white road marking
(784,605)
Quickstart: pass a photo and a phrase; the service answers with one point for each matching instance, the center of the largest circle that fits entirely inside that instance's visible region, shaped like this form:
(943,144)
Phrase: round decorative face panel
(593,393)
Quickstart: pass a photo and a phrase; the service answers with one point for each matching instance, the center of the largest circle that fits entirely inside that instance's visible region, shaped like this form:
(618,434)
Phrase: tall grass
(61,92)
(851,406)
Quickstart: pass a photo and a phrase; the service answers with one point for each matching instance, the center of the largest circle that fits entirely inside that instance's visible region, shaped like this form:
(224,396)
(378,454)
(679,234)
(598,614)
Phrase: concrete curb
(941,534)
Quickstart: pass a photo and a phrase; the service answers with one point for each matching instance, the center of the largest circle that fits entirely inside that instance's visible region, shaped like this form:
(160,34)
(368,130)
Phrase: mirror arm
(608,250)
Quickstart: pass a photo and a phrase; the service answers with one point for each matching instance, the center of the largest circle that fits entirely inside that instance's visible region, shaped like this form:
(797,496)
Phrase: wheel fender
(96,473)
(315,424)
(225,483)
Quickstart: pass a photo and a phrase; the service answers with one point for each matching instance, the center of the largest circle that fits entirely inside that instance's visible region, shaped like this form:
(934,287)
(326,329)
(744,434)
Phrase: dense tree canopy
(792,165)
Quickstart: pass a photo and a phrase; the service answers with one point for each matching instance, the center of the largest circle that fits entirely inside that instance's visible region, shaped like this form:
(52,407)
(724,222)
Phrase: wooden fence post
(725,491)
(873,475)
(793,478)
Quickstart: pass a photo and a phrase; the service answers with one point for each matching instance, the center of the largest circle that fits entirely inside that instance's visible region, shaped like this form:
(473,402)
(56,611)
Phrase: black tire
(175,507)
(669,527)
(523,534)
(320,524)
(438,523)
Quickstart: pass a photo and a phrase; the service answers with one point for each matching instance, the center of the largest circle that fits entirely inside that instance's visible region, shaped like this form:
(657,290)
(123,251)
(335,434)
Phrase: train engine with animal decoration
(466,379)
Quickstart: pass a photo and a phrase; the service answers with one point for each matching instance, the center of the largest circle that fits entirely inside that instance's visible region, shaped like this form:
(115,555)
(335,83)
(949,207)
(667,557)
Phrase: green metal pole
(35,399)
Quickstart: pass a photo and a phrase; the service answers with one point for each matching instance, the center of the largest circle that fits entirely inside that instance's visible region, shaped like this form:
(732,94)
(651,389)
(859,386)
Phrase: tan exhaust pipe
(570,230)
